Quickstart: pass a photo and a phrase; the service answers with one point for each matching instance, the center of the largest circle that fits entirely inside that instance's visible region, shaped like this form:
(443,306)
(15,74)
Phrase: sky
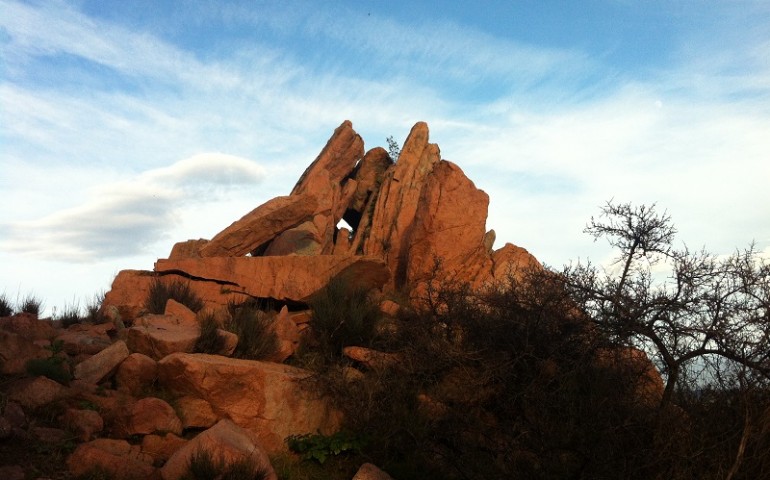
(126,127)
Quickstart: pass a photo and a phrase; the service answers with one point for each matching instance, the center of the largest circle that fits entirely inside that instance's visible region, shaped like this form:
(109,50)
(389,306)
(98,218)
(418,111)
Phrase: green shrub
(6,309)
(210,341)
(203,466)
(161,292)
(257,339)
(31,304)
(319,447)
(343,316)
(53,367)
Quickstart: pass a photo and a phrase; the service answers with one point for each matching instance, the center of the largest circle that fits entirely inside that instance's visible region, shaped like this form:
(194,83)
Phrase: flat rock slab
(287,278)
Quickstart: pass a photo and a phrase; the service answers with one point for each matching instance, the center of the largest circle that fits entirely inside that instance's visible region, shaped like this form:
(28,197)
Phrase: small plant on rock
(70,315)
(161,292)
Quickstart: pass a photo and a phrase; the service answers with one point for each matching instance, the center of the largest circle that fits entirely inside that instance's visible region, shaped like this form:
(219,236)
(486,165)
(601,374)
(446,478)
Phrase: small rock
(86,423)
(36,392)
(12,472)
(370,472)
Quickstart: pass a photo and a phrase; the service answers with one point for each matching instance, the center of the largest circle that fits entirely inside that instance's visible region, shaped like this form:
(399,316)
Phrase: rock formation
(407,218)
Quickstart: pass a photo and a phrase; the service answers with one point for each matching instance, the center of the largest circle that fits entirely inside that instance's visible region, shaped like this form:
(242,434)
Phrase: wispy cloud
(123,218)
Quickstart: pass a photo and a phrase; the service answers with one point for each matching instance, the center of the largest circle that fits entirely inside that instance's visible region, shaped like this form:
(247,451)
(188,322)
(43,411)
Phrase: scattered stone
(86,339)
(14,414)
(150,415)
(195,413)
(28,326)
(159,335)
(16,351)
(85,423)
(98,367)
(161,448)
(371,472)
(224,441)
(136,373)
(182,314)
(371,359)
(36,392)
(48,435)
(118,458)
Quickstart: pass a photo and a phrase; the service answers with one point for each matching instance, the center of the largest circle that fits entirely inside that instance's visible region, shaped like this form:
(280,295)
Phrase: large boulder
(225,442)
(292,278)
(450,225)
(261,225)
(270,399)
(397,201)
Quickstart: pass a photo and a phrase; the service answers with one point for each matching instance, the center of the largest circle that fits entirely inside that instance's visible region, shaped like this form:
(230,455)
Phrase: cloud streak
(122,219)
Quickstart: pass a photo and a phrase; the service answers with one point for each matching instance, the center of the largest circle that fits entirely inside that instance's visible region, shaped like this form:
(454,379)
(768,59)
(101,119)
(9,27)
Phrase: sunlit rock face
(410,221)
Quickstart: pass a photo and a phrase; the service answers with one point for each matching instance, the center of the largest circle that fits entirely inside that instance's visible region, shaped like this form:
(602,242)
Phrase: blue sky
(128,126)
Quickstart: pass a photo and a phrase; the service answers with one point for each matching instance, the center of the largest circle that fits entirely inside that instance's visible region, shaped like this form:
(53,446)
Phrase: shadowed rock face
(405,217)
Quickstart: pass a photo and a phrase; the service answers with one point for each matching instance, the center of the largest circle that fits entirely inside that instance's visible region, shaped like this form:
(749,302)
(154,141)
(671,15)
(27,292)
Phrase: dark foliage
(210,341)
(31,304)
(204,466)
(6,308)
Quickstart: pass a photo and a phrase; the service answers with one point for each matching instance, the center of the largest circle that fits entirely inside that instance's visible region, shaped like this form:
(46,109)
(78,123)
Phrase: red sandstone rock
(188,249)
(161,448)
(131,288)
(195,413)
(371,359)
(288,336)
(292,278)
(397,202)
(264,397)
(449,225)
(304,239)
(85,423)
(121,460)
(150,415)
(183,315)
(16,351)
(99,366)
(370,472)
(335,162)
(36,392)
(261,225)
(136,373)
(80,339)
(159,335)
(28,326)
(368,176)
(224,442)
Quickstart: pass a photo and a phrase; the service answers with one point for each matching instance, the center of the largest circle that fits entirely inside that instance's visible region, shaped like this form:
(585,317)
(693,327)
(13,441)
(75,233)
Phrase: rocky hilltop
(141,393)
(412,219)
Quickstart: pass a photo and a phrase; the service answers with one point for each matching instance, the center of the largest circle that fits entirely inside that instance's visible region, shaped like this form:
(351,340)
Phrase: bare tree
(696,319)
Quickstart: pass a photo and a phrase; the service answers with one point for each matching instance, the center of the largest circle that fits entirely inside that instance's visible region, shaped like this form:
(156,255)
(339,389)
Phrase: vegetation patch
(204,466)
(257,339)
(161,292)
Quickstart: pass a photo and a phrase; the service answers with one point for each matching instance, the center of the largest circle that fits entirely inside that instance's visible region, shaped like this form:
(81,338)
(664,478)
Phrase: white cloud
(124,218)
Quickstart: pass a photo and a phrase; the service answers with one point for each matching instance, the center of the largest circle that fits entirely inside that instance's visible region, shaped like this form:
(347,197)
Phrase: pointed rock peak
(339,157)
(416,142)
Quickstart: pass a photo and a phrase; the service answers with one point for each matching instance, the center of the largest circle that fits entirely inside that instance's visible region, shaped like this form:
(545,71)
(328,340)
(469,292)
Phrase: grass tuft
(161,292)
(210,341)
(257,339)
(203,466)
(31,304)
(6,309)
